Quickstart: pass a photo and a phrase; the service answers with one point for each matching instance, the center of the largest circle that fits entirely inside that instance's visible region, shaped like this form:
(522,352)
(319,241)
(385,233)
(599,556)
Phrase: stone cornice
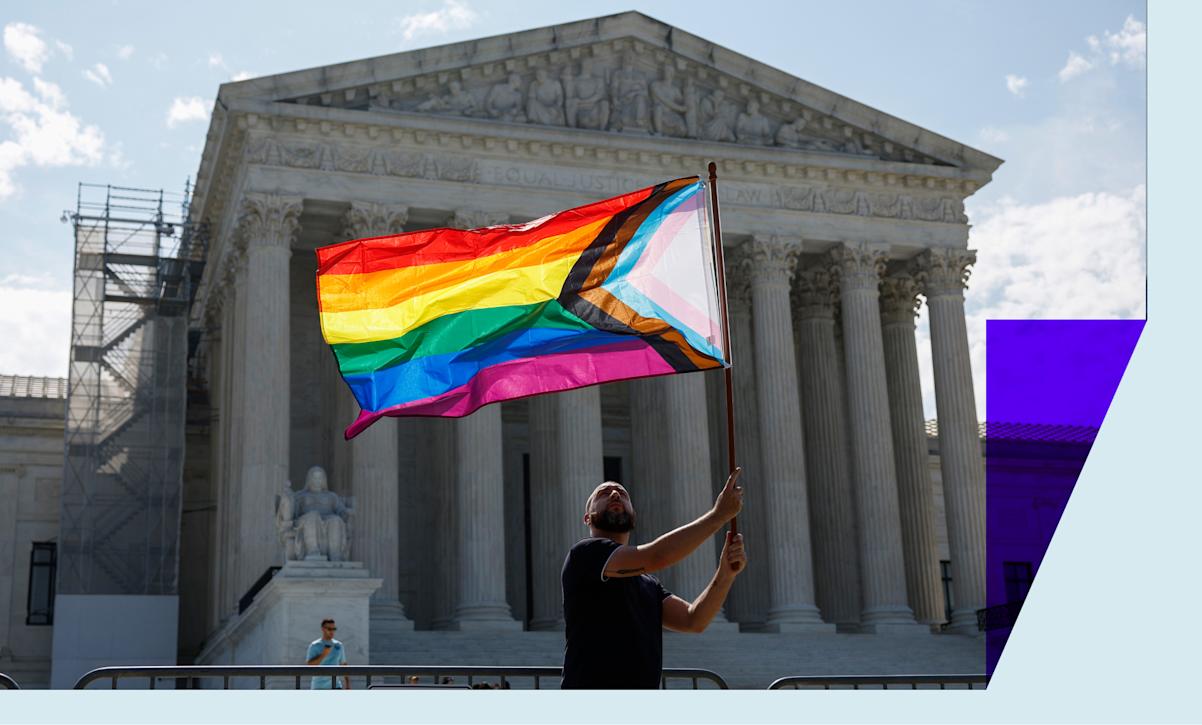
(620,31)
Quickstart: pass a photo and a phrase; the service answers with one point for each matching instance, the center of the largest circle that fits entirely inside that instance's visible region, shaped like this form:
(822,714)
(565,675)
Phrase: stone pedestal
(286,615)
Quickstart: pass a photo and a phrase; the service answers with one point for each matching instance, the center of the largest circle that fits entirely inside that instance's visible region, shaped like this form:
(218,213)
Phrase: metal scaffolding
(138,258)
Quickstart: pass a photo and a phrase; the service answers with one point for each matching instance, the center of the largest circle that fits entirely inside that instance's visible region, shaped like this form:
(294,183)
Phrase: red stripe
(431,246)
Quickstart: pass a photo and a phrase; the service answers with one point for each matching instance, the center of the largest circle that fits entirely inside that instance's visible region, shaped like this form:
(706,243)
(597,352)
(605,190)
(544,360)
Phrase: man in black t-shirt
(615,611)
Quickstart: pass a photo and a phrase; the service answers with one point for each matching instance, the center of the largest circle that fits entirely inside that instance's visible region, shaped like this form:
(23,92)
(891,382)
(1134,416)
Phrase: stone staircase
(744,660)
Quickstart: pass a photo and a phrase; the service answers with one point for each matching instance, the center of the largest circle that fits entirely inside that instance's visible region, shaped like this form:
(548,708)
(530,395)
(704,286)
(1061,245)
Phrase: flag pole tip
(713,169)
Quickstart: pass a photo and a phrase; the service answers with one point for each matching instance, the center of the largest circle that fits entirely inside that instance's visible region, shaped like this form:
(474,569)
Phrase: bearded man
(615,611)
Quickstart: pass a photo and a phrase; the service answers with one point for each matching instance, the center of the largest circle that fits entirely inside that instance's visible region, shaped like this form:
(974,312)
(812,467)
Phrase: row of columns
(840,507)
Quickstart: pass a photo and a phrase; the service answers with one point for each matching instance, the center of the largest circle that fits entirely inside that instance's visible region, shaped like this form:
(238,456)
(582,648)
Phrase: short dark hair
(326,621)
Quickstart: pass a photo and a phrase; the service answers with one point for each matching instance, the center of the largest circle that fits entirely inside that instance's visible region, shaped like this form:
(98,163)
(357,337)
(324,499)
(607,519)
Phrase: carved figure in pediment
(790,134)
(544,100)
(753,126)
(668,107)
(692,109)
(717,117)
(456,100)
(587,103)
(628,89)
(505,101)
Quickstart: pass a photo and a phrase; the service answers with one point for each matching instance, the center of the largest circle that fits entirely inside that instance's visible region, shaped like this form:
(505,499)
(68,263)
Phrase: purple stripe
(524,377)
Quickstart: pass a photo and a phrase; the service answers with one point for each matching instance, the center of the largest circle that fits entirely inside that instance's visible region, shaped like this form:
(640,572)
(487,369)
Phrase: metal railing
(881,682)
(422,676)
(999,616)
(8,683)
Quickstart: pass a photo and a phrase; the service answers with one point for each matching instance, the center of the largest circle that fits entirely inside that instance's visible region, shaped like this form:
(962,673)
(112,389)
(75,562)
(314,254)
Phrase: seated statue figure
(314,523)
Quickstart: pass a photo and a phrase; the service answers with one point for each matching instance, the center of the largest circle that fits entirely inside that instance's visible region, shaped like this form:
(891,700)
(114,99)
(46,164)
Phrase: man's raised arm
(676,545)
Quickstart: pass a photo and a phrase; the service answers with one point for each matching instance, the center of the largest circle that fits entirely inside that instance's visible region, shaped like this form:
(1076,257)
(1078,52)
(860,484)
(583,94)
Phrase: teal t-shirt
(336,656)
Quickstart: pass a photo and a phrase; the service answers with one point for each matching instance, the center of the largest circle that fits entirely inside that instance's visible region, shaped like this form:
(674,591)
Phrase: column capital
(371,219)
(899,298)
(268,221)
(944,272)
(860,264)
(475,218)
(816,291)
(773,259)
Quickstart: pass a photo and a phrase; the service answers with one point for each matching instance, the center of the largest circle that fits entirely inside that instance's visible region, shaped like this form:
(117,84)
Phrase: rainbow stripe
(442,321)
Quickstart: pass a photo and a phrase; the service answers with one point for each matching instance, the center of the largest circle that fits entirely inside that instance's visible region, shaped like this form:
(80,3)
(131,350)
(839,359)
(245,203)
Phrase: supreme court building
(839,221)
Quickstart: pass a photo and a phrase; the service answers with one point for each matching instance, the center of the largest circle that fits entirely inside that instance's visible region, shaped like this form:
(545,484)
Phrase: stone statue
(505,100)
(692,109)
(668,105)
(313,524)
(587,103)
(456,100)
(628,89)
(717,123)
(753,126)
(789,134)
(544,100)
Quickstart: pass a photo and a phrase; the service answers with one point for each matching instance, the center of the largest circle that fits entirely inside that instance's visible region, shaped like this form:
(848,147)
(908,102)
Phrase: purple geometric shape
(1049,384)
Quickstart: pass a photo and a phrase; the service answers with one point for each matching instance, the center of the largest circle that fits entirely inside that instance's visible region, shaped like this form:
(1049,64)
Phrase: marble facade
(839,220)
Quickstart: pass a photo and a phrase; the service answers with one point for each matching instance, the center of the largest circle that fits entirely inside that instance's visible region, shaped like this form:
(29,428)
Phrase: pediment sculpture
(313,524)
(626,92)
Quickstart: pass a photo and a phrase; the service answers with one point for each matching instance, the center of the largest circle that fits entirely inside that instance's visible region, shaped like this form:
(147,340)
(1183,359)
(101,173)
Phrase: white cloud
(125,52)
(243,75)
(24,44)
(67,51)
(187,109)
(216,61)
(1130,45)
(41,132)
(1016,84)
(99,74)
(35,322)
(1073,67)
(1074,257)
(453,15)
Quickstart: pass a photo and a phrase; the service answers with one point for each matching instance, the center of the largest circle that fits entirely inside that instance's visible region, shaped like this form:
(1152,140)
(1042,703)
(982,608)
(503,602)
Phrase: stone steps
(744,660)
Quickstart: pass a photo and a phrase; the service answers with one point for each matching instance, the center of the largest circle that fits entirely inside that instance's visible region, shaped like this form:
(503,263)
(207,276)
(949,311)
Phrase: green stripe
(450,333)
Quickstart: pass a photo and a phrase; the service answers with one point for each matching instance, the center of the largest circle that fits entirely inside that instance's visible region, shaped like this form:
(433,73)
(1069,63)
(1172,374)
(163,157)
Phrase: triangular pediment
(625,73)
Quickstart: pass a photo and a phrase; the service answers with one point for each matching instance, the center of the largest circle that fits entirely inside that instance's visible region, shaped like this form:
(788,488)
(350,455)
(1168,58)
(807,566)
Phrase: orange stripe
(390,287)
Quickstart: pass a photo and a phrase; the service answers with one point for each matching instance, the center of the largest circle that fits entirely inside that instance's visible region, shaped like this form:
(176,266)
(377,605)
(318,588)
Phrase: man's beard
(615,522)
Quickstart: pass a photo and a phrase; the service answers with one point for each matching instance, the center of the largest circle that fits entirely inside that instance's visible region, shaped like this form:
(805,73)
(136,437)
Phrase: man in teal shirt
(328,651)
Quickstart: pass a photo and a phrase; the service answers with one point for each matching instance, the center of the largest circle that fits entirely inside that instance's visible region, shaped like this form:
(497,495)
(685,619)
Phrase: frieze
(622,88)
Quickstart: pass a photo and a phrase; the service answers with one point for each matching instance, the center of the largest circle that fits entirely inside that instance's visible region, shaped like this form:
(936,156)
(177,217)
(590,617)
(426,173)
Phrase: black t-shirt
(614,626)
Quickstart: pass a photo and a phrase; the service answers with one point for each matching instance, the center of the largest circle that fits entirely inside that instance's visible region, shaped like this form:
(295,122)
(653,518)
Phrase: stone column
(267,227)
(944,276)
(899,307)
(480,500)
(565,466)
(683,418)
(874,474)
(438,441)
(748,600)
(832,508)
(648,484)
(373,457)
(783,480)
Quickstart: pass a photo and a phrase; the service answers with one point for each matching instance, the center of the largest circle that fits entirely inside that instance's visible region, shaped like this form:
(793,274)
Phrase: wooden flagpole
(730,389)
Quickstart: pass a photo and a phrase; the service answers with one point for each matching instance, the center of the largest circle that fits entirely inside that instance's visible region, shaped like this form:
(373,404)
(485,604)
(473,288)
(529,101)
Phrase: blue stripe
(646,307)
(638,242)
(436,374)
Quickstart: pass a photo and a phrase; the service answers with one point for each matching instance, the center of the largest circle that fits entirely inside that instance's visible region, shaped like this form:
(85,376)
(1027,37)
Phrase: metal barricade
(391,676)
(8,683)
(881,682)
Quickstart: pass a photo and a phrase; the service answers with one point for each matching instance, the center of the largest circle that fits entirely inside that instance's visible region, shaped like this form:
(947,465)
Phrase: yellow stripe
(387,288)
(522,286)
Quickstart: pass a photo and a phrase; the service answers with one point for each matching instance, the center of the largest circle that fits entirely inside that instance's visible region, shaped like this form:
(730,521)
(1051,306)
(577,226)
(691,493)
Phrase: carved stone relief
(633,90)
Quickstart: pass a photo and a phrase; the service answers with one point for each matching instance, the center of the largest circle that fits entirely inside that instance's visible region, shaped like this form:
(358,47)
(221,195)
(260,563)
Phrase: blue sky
(119,92)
